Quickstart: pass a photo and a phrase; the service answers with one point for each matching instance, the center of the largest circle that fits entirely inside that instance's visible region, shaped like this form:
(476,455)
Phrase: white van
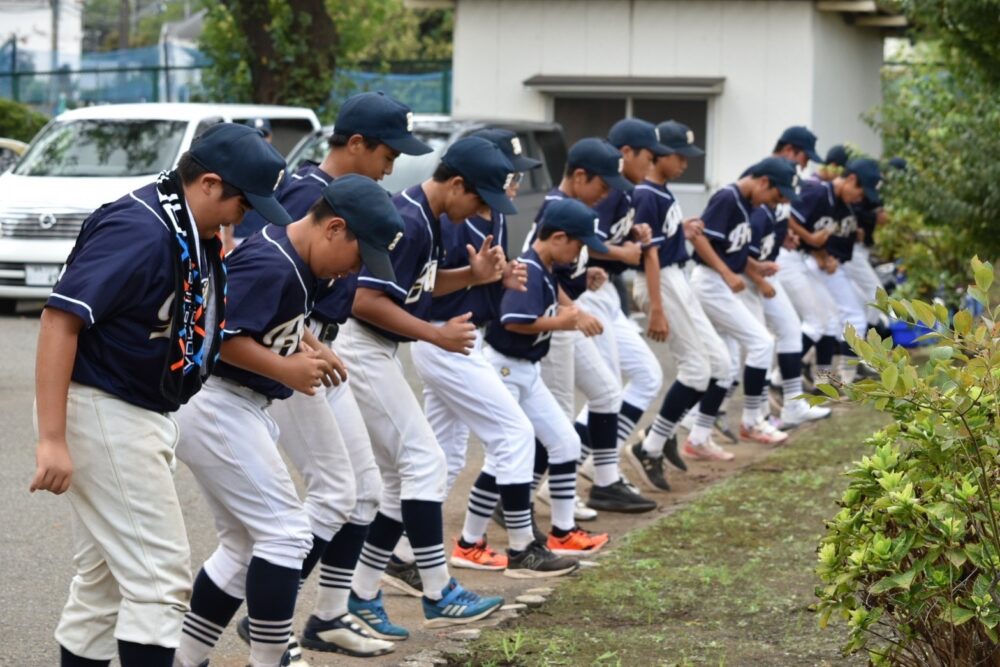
(87,157)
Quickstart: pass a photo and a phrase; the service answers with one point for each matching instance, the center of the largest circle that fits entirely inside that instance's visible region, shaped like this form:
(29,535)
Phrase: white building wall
(30,23)
(773,55)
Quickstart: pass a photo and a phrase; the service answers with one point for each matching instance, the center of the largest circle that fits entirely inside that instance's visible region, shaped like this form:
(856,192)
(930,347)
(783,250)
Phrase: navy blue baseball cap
(483,165)
(378,116)
(370,215)
(679,138)
(869,176)
(801,137)
(241,157)
(262,124)
(637,133)
(508,142)
(600,158)
(781,173)
(578,220)
(837,156)
(898,163)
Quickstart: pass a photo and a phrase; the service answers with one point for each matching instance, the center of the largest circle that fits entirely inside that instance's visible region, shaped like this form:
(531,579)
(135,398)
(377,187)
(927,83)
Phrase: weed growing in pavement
(911,562)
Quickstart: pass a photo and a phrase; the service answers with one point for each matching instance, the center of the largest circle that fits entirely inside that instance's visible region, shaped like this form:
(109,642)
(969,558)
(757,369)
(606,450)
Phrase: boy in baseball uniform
(229,440)
(128,335)
(663,287)
(472,175)
(520,339)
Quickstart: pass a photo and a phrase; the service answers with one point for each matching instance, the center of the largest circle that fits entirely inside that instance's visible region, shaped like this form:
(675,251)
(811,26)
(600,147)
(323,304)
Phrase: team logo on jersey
(284,339)
(673,220)
(509,181)
(766,246)
(515,144)
(657,131)
(281,175)
(409,121)
(395,241)
(826,222)
(690,137)
(425,283)
(621,228)
(545,335)
(621,165)
(739,237)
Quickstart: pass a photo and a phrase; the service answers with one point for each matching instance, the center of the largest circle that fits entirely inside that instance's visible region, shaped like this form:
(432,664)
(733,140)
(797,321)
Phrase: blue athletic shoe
(372,617)
(458,606)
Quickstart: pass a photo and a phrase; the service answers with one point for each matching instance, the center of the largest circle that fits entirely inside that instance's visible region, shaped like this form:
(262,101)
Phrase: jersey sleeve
(717,215)
(408,260)
(812,202)
(524,307)
(758,228)
(647,211)
(252,295)
(111,266)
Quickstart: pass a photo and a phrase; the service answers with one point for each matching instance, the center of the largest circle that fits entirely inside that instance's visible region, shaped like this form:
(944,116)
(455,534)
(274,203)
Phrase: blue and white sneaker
(458,606)
(371,615)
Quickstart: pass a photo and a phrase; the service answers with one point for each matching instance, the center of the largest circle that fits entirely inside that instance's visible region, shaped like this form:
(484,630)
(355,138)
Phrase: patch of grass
(728,580)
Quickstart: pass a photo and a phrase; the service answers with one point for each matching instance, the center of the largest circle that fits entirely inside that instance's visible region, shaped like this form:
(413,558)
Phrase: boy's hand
(693,227)
(791,241)
(457,334)
(338,370)
(633,252)
(658,329)
(305,371)
(487,263)
(589,325)
(53,467)
(766,289)
(735,282)
(642,233)
(596,277)
(768,269)
(568,317)
(515,276)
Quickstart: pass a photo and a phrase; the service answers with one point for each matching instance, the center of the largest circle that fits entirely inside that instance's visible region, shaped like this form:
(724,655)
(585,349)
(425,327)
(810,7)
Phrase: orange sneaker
(578,542)
(478,557)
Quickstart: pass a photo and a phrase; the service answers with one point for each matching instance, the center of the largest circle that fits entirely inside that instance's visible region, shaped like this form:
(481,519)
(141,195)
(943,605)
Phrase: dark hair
(190,170)
(545,232)
(780,146)
(340,140)
(570,168)
(321,209)
(445,173)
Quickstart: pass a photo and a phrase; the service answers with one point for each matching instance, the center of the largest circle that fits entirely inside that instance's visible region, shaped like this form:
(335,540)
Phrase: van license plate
(41,275)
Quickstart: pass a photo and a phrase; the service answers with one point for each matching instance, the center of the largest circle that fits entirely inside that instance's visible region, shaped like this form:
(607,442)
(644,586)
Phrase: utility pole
(54,58)
(124,24)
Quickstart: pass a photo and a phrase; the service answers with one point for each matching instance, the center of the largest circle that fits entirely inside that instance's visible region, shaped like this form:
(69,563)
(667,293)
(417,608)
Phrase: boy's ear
(335,224)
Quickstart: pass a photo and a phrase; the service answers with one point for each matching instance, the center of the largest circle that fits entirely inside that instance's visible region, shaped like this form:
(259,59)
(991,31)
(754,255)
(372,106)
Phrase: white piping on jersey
(423,214)
(232,332)
(555,197)
(468,223)
(310,175)
(150,209)
(656,191)
(735,193)
(305,292)
(657,238)
(77,302)
(526,316)
(370,279)
(713,233)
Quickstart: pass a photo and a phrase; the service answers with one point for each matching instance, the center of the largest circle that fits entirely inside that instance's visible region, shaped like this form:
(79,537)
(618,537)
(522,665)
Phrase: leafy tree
(18,121)
(941,113)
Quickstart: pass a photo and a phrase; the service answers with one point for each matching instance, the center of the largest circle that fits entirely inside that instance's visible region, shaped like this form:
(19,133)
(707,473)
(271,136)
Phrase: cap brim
(659,150)
(521,163)
(408,145)
(689,151)
(595,243)
(269,209)
(814,156)
(377,261)
(618,182)
(872,195)
(497,201)
(788,193)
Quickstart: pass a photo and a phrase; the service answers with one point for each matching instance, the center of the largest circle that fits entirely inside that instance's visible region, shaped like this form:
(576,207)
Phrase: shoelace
(460,595)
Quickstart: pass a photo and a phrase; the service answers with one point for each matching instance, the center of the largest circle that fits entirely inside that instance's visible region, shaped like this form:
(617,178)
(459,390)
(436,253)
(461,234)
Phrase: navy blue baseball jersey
(656,206)
(867,214)
(483,301)
(769,232)
(615,214)
(539,300)
(271,292)
(820,208)
(122,348)
(296,194)
(414,259)
(727,226)
(571,277)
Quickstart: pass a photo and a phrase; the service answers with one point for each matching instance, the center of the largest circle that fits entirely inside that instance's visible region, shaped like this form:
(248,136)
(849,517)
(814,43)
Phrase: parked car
(541,141)
(87,157)
(11,151)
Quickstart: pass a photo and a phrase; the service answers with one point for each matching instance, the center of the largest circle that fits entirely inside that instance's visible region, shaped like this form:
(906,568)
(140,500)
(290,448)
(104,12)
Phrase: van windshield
(104,148)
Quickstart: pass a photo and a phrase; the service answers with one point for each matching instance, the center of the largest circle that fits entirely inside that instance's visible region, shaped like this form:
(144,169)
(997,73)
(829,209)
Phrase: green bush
(911,562)
(18,121)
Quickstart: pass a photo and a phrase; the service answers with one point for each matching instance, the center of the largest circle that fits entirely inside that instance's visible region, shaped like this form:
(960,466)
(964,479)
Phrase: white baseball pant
(407,453)
(810,298)
(574,361)
(698,351)
(781,318)
(465,389)
(622,347)
(229,442)
(731,316)
(132,578)
(866,281)
(849,307)
(553,428)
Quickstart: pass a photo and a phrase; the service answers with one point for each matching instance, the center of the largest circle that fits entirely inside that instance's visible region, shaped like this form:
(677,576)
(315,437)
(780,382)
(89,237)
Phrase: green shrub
(911,562)
(18,121)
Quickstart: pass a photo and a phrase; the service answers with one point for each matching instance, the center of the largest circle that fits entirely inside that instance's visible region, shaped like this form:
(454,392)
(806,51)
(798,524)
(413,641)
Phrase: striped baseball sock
(315,553)
(628,417)
(675,404)
(383,535)
(483,499)
(562,490)
(586,440)
(754,380)
(211,611)
(517,515)
(708,408)
(425,526)
(271,592)
(336,569)
(790,365)
(604,433)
